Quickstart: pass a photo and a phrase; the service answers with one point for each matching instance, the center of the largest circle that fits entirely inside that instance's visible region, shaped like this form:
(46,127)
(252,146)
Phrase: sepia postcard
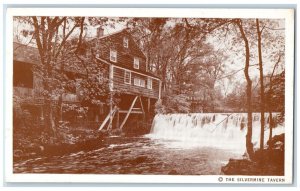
(161,95)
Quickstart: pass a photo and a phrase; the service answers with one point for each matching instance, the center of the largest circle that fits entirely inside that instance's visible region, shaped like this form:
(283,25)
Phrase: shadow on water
(131,155)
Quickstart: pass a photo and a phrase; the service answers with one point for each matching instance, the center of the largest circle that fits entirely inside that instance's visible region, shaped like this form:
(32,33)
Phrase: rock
(239,167)
(42,148)
(173,172)
(277,142)
(138,160)
(18,153)
(266,162)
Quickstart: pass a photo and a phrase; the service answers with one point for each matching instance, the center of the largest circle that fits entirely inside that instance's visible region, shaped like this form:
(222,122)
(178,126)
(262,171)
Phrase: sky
(236,58)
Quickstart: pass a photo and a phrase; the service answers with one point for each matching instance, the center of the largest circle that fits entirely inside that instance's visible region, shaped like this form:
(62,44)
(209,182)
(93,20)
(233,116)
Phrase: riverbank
(38,143)
(270,161)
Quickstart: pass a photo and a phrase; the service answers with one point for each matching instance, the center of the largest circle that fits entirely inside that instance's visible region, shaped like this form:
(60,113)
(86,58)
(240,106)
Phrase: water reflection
(133,155)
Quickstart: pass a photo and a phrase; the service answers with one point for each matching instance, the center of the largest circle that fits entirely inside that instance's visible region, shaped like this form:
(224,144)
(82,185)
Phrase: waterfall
(220,130)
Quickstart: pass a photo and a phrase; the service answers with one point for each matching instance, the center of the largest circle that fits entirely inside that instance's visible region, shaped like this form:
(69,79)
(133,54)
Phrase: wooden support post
(42,118)
(128,113)
(61,112)
(104,122)
(148,109)
(110,111)
(108,117)
(111,77)
(112,118)
(42,112)
(132,112)
(159,89)
(111,89)
(118,118)
(142,107)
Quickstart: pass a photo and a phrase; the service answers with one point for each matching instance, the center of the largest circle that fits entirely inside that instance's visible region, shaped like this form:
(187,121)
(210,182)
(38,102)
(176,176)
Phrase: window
(136,63)
(125,42)
(23,76)
(127,77)
(149,83)
(139,82)
(142,83)
(136,82)
(113,55)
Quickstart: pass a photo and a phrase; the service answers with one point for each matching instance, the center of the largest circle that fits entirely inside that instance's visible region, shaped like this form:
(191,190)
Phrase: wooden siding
(119,84)
(125,56)
(23,92)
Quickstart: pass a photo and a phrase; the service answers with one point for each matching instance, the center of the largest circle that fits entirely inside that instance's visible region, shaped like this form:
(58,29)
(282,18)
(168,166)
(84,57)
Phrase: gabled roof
(133,49)
(111,36)
(25,53)
(29,54)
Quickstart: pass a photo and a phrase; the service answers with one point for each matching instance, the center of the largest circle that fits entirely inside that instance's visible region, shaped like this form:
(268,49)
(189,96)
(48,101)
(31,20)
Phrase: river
(184,144)
(132,155)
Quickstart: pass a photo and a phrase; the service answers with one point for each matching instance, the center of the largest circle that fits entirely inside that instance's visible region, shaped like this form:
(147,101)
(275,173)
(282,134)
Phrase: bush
(173,104)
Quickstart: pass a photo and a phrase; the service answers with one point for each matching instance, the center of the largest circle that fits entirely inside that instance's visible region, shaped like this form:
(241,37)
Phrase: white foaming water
(220,130)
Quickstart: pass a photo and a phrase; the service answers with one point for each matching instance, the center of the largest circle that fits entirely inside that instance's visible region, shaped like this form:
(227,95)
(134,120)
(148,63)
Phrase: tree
(273,49)
(210,67)
(46,34)
(66,63)
(236,100)
(269,98)
(262,88)
(149,33)
(274,40)
(177,51)
(249,144)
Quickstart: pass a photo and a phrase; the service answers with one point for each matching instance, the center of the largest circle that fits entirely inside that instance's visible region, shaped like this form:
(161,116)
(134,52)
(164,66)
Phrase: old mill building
(138,89)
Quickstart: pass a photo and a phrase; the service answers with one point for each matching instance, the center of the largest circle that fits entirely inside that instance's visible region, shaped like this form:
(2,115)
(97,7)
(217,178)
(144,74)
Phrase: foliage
(276,95)
(159,107)
(180,55)
(67,65)
(173,103)
(185,53)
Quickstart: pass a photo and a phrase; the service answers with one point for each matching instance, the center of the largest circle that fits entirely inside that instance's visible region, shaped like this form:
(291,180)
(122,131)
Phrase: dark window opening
(23,76)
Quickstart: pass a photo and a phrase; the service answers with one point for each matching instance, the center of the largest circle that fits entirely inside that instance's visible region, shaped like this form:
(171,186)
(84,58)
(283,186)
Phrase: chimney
(100,32)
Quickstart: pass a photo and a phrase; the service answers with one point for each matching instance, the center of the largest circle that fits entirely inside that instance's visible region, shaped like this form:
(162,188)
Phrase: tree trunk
(52,120)
(271,123)
(271,129)
(262,88)
(249,145)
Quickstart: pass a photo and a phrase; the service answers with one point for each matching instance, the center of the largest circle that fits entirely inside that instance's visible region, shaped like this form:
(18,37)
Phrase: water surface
(132,155)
